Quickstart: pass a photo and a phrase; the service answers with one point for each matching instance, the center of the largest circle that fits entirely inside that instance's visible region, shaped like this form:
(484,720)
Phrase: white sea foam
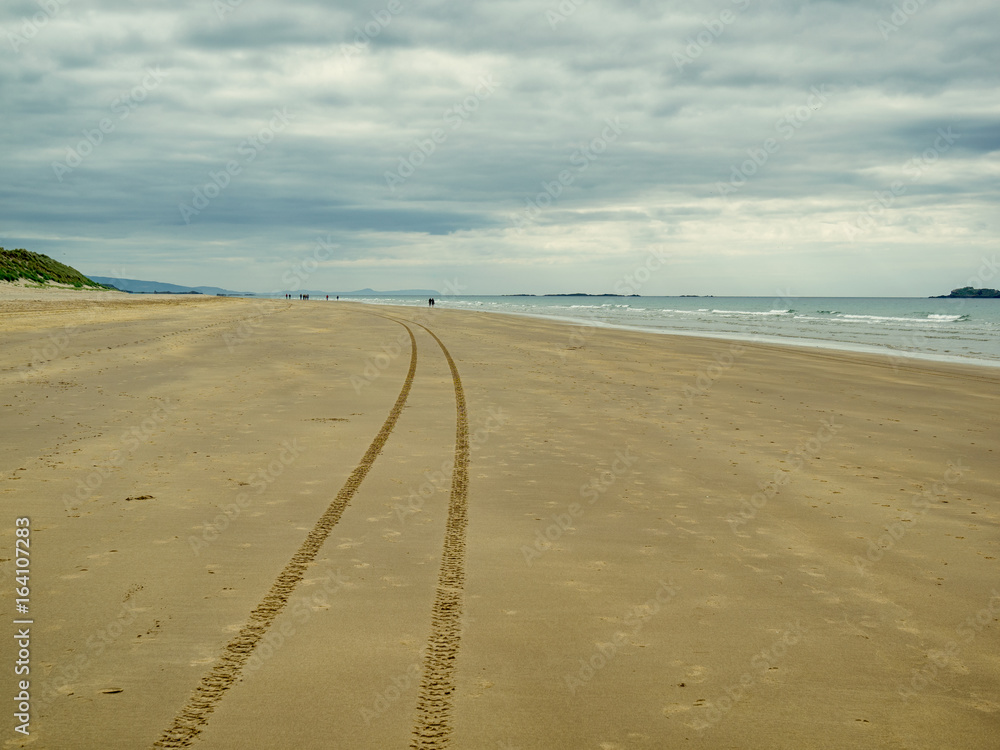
(941,329)
(751,312)
(945,318)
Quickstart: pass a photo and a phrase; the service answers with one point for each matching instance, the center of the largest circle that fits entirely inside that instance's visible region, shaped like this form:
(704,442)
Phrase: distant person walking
(430,302)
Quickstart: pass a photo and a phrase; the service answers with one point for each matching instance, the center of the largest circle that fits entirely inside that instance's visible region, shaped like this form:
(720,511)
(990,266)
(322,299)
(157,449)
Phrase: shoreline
(24,293)
(794,343)
(10,291)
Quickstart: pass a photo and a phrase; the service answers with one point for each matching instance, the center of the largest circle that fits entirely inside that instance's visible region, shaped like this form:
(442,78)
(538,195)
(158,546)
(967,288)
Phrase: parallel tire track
(437,686)
(189,722)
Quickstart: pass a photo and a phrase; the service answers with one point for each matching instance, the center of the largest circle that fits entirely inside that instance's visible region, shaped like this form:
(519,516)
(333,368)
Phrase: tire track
(192,718)
(437,687)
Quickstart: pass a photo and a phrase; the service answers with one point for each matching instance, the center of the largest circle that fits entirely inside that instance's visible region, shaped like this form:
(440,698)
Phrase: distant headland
(967,292)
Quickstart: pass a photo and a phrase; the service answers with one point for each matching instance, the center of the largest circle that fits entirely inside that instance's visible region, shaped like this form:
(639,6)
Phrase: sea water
(958,330)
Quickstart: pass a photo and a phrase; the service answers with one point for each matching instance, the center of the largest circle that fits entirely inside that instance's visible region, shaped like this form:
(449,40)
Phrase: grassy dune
(16,265)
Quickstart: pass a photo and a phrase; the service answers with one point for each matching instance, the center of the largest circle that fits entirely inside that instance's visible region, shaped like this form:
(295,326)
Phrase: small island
(967,292)
(584,294)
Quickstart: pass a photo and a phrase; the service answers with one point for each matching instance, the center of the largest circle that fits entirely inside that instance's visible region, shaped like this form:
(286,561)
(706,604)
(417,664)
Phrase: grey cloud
(699,90)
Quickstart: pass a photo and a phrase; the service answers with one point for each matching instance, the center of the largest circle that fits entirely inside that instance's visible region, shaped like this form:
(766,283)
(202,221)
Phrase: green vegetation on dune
(24,264)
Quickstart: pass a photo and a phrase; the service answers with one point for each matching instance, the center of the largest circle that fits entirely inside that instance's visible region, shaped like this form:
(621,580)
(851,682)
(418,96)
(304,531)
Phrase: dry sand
(618,584)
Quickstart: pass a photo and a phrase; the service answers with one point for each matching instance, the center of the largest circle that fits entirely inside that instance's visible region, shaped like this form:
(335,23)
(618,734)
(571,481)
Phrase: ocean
(953,330)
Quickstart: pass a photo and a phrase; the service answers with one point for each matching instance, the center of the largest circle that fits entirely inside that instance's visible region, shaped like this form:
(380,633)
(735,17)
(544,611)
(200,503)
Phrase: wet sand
(661,541)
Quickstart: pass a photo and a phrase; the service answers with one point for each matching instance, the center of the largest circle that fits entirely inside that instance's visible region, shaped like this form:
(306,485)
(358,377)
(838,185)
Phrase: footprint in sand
(672,709)
(695,674)
(715,602)
(984,705)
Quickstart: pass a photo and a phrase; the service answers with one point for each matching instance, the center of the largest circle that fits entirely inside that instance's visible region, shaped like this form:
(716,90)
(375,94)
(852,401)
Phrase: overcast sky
(801,148)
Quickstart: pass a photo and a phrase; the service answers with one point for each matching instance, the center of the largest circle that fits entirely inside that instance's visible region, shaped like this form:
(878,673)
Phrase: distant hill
(16,265)
(969,292)
(137,286)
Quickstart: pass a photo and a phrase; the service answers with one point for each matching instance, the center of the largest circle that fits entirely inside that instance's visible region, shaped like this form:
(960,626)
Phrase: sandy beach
(264,523)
